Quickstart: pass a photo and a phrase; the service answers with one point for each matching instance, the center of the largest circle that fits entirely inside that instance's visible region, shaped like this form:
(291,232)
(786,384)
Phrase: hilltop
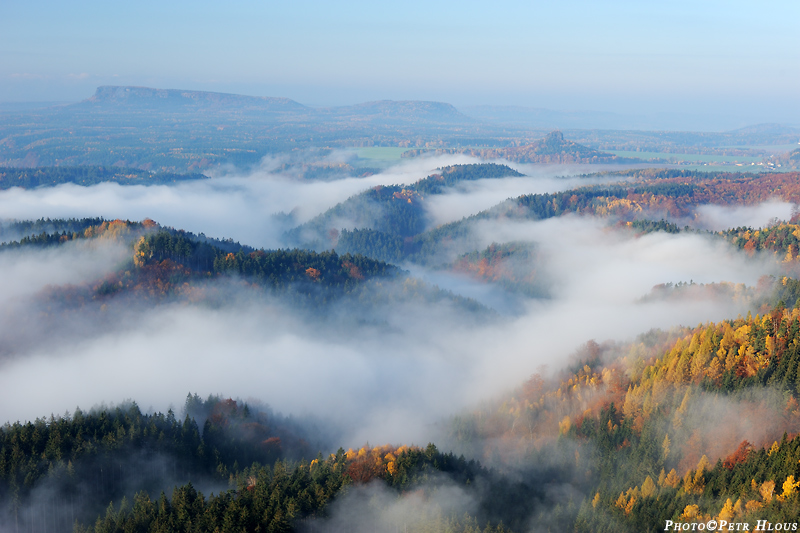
(176,100)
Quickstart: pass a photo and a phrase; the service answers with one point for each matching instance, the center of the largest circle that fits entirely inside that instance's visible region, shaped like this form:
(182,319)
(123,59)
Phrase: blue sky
(629,57)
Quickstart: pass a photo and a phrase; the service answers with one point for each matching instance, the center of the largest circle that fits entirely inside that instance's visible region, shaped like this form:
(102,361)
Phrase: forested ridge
(295,496)
(649,202)
(656,424)
(166,265)
(690,424)
(677,197)
(630,422)
(29,178)
(67,468)
(390,222)
(397,213)
(166,262)
(264,474)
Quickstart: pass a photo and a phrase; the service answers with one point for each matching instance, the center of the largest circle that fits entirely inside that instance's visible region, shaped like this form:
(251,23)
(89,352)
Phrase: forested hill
(168,262)
(265,475)
(30,178)
(180,101)
(791,159)
(390,221)
(652,194)
(628,437)
(58,470)
(47,231)
(397,211)
(554,148)
(661,426)
(168,265)
(453,175)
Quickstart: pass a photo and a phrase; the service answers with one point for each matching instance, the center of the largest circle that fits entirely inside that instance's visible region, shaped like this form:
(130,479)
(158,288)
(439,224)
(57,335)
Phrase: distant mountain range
(177,100)
(114,98)
(172,130)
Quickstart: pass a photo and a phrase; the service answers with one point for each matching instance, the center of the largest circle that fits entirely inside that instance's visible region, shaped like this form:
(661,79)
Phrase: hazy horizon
(724,64)
(575,118)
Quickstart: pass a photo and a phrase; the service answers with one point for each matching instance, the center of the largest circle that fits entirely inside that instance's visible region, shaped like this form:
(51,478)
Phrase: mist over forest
(232,313)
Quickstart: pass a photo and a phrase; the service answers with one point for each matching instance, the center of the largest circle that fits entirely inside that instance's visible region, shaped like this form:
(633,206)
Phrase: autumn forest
(484,332)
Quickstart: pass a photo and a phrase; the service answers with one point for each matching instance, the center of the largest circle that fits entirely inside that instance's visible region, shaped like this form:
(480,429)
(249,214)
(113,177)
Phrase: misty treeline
(30,178)
(61,469)
(780,239)
(45,231)
(395,211)
(22,232)
(301,269)
(691,424)
(687,425)
(391,223)
(168,264)
(297,496)
(164,258)
(511,265)
(67,470)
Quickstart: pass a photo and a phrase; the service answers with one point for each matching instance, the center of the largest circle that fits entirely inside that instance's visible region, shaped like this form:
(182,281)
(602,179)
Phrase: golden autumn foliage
(672,480)
(648,487)
(789,488)
(753,505)
(663,378)
(368,463)
(726,513)
(628,499)
(766,490)
(690,512)
(408,195)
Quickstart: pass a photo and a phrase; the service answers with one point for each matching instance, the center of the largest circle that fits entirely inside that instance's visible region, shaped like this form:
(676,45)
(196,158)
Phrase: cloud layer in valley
(386,379)
(392,379)
(242,205)
(232,206)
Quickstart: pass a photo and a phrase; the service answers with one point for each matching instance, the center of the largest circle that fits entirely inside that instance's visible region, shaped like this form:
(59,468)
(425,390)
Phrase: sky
(712,57)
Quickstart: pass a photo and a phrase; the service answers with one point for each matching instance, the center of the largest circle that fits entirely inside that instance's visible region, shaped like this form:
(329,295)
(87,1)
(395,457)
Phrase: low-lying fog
(242,206)
(386,381)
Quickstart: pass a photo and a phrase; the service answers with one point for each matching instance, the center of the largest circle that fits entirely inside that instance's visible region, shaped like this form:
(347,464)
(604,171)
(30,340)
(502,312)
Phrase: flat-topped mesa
(129,98)
(166,98)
